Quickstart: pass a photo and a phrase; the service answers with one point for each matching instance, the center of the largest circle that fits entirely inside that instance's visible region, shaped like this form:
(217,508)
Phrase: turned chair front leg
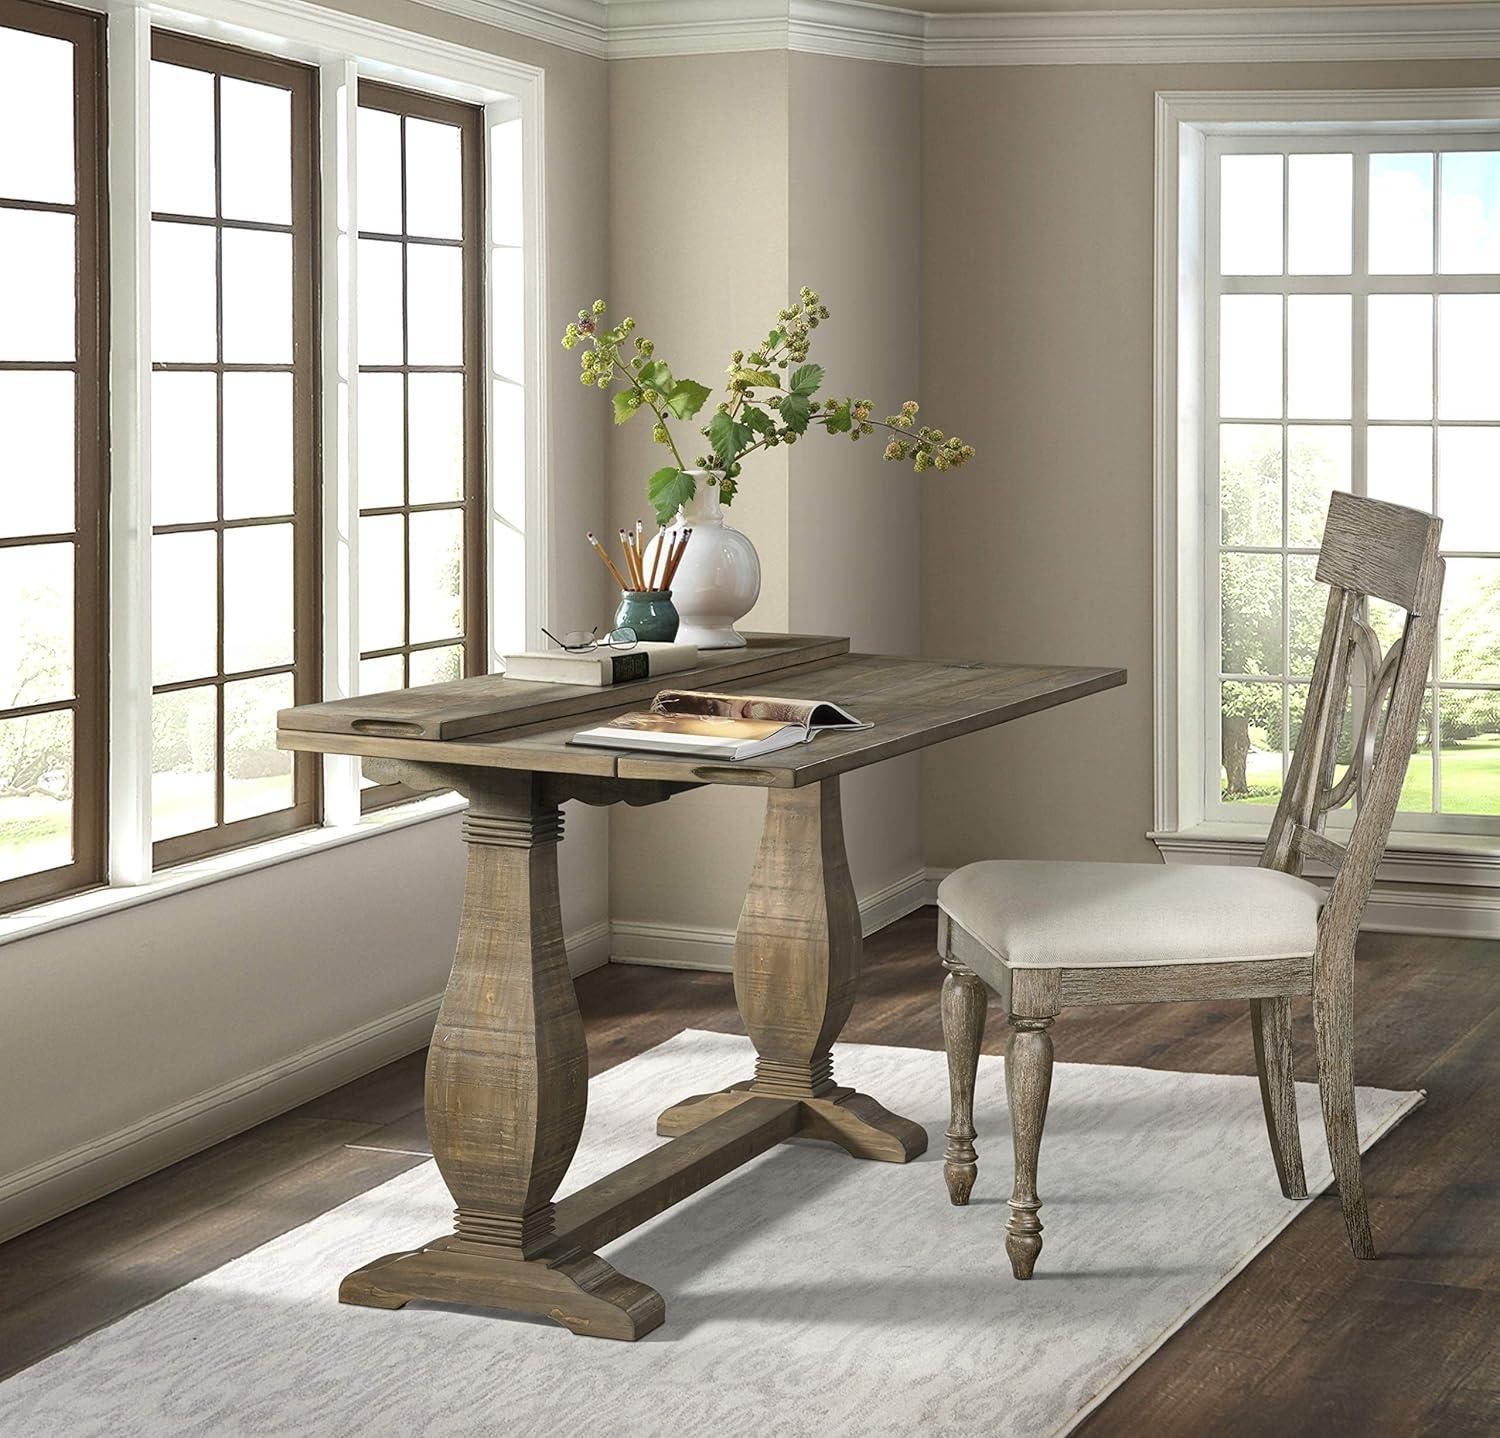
(964,1003)
(1028,1083)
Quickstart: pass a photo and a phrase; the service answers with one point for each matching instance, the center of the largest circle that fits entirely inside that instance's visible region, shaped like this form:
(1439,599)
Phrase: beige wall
(705,246)
(1037,341)
(856,238)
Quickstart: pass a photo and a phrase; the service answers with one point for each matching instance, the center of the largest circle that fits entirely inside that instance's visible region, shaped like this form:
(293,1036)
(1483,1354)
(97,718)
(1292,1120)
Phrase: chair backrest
(1370,549)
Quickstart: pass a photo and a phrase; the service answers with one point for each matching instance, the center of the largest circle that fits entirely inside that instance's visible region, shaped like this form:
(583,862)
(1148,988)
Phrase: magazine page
(810,714)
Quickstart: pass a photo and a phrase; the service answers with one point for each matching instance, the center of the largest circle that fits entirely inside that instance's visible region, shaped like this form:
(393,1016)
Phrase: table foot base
(856,1122)
(579,1290)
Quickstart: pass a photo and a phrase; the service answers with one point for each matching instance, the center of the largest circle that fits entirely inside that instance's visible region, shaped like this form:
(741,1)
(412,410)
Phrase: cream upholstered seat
(1031,914)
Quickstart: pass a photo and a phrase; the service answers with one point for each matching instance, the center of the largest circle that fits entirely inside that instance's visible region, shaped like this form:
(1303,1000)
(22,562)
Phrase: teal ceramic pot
(650,613)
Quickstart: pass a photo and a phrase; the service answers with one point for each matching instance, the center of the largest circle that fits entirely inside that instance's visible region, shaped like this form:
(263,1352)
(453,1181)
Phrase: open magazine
(720,726)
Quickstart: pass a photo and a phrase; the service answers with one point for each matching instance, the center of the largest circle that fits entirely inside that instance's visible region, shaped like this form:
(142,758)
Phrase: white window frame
(343,48)
(1188,824)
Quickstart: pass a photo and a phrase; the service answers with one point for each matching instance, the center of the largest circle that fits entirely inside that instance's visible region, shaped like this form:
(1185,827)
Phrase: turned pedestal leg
(507,1083)
(796,967)
(964,1003)
(1028,1082)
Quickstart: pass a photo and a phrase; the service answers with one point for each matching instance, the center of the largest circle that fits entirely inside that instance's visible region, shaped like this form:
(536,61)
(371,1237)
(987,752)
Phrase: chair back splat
(1370,550)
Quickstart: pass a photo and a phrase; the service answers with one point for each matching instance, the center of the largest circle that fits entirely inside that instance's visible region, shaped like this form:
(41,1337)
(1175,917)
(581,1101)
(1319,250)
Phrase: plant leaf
(687,398)
(806,379)
(656,375)
(840,421)
(757,419)
(626,403)
(796,411)
(668,489)
(728,437)
(760,377)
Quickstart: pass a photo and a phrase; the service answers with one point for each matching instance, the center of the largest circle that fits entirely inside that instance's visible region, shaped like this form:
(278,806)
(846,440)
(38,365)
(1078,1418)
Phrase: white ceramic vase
(719,578)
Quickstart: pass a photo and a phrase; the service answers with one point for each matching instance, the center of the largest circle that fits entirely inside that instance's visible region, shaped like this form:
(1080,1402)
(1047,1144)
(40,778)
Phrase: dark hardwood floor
(1305,1341)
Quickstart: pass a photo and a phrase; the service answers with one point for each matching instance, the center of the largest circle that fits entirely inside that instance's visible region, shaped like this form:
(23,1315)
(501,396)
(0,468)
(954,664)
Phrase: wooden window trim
(306,809)
(469,120)
(90,703)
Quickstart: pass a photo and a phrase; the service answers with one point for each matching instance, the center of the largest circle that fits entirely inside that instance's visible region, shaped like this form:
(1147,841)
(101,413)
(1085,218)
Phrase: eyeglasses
(581,640)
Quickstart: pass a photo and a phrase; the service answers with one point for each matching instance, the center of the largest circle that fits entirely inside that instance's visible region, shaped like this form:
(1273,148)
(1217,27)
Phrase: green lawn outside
(1471,778)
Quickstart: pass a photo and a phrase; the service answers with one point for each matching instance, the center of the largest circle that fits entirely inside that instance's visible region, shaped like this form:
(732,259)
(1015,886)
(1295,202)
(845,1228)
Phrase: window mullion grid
(1286,534)
(219,538)
(1435,688)
(405,410)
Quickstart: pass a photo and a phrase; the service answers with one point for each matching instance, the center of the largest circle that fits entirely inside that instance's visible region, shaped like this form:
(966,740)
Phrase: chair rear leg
(1028,1083)
(1333,1024)
(1271,1027)
(964,1004)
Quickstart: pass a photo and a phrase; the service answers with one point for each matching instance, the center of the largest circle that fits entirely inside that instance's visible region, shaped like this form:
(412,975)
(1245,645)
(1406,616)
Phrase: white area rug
(869,1307)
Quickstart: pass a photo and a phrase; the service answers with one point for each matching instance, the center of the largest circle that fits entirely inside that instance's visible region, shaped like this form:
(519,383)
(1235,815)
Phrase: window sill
(1410,857)
(76,908)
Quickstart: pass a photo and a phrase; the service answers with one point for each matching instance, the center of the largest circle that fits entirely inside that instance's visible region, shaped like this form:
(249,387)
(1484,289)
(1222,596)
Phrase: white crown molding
(642,29)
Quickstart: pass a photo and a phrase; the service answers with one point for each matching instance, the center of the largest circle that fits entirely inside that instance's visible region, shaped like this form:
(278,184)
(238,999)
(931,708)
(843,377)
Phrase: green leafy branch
(771,401)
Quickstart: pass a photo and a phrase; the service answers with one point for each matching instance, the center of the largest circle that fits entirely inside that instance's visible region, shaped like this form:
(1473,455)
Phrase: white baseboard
(688,946)
(58,1184)
(1471,913)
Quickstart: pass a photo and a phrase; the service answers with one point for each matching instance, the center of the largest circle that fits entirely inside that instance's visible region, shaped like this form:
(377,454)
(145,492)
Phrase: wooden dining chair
(1047,935)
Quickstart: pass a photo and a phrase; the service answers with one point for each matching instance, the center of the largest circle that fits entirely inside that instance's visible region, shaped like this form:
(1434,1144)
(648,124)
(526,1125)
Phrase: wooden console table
(507,1074)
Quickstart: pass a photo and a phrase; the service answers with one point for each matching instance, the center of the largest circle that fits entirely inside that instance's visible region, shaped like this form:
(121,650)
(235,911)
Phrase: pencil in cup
(609,564)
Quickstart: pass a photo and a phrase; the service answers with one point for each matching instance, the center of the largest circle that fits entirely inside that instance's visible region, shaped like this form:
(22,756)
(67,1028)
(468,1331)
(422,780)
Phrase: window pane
(257,597)
(381,401)
(437,437)
(1400,357)
(182,140)
(505,183)
(1250,483)
(36,317)
(1470,206)
(36,635)
(1250,598)
(1469,463)
(1250,356)
(1470,758)
(1416,789)
(376,676)
(1307,601)
(1318,462)
(437,666)
(434,310)
(184,738)
(36,451)
(379,163)
(1469,357)
(257,445)
(507,428)
(1401,214)
(379,302)
(436,574)
(36,100)
(183,304)
(257,297)
(508,317)
(1318,356)
(1251,722)
(184,447)
(257,775)
(381,570)
(255,143)
(1320,221)
(36,782)
(1399,460)
(434,180)
(184,607)
(1471,621)
(1250,215)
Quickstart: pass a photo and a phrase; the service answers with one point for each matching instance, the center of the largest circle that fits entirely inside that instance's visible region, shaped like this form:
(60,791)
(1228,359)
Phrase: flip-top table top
(493,722)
